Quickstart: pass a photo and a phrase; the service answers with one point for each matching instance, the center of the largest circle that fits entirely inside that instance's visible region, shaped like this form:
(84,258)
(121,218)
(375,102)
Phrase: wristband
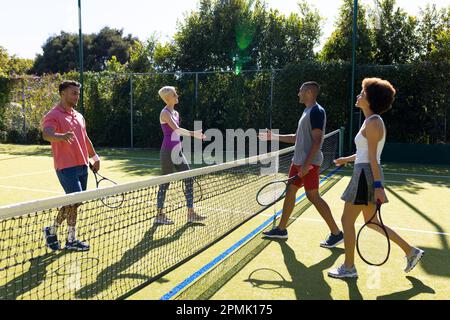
(96,158)
(377,184)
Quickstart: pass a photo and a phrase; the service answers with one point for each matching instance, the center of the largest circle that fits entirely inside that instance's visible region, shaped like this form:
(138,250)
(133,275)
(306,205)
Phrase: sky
(26,24)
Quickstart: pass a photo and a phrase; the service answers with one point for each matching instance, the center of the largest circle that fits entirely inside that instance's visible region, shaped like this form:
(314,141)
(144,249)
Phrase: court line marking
(238,244)
(416,175)
(391,173)
(111,158)
(26,174)
(232,249)
(30,189)
(417,183)
(360,225)
(142,165)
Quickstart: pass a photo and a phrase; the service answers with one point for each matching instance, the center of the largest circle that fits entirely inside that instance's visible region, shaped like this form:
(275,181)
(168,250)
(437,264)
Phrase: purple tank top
(168,144)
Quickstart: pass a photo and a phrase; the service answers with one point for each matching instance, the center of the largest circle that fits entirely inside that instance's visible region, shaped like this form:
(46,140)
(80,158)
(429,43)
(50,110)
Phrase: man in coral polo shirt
(65,129)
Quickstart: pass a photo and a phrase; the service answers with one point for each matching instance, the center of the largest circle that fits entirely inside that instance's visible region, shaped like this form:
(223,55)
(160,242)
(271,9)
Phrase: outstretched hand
(265,136)
(198,134)
(68,137)
(340,162)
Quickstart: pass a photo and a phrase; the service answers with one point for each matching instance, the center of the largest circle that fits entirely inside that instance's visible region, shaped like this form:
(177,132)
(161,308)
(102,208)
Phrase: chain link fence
(122,110)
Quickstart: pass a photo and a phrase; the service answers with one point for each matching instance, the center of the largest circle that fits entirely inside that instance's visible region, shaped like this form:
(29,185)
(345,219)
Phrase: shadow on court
(34,277)
(141,167)
(435,261)
(105,279)
(418,287)
(132,168)
(307,282)
(22,151)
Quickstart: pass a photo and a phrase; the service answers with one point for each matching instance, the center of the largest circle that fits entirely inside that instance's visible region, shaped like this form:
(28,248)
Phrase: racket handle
(92,168)
(310,167)
(379,203)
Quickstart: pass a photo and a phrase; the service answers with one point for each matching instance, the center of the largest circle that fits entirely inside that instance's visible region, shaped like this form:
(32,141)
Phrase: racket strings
(112,201)
(271,193)
(373,240)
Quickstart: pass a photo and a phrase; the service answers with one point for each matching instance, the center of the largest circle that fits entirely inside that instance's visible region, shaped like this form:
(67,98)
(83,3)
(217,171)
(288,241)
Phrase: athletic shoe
(51,240)
(333,240)
(413,259)
(343,272)
(77,245)
(194,218)
(276,233)
(161,219)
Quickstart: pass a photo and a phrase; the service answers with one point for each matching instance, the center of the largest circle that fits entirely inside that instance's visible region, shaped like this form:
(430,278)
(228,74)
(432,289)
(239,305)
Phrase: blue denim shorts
(73,179)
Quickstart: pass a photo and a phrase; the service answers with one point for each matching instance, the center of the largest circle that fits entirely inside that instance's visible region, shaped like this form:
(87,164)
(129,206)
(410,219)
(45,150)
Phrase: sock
(72,236)
(54,228)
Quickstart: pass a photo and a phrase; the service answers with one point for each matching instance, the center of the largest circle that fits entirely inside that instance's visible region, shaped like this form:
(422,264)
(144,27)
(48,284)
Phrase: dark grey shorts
(169,165)
(360,190)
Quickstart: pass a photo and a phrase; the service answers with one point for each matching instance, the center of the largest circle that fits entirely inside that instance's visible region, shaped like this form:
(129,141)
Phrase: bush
(34,136)
(15,136)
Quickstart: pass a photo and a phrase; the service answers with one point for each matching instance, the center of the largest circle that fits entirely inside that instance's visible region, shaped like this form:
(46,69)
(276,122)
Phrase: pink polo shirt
(65,154)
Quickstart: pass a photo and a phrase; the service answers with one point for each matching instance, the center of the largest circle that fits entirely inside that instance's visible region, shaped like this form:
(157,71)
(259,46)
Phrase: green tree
(289,39)
(61,52)
(440,50)
(244,34)
(338,46)
(433,28)
(142,56)
(394,34)
(12,65)
(165,57)
(114,65)
(107,43)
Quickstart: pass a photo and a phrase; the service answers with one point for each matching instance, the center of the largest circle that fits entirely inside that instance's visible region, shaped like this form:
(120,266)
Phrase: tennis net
(127,249)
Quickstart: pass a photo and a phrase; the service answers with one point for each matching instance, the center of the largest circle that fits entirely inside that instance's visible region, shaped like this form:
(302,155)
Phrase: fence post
(131,111)
(196,96)
(24,109)
(341,141)
(272,76)
(445,125)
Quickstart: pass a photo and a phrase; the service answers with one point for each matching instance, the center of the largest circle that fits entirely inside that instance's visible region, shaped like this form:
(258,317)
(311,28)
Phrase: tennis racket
(274,191)
(197,192)
(372,241)
(113,201)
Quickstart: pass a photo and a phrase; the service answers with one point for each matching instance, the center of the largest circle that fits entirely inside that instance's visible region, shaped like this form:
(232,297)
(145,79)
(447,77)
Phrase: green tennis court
(261,269)
(296,269)
(29,173)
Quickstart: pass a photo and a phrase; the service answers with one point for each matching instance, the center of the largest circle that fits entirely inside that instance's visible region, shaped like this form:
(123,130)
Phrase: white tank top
(362,146)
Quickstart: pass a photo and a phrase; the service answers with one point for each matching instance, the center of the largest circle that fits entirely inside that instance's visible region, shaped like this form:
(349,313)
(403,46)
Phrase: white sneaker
(161,219)
(413,259)
(343,272)
(193,218)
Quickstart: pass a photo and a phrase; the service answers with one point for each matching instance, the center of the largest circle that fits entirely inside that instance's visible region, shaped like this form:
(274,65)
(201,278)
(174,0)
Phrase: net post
(341,141)
(131,111)
(81,62)
(24,109)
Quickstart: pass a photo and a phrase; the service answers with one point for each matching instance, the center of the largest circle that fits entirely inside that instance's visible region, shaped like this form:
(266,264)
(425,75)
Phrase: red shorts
(310,181)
